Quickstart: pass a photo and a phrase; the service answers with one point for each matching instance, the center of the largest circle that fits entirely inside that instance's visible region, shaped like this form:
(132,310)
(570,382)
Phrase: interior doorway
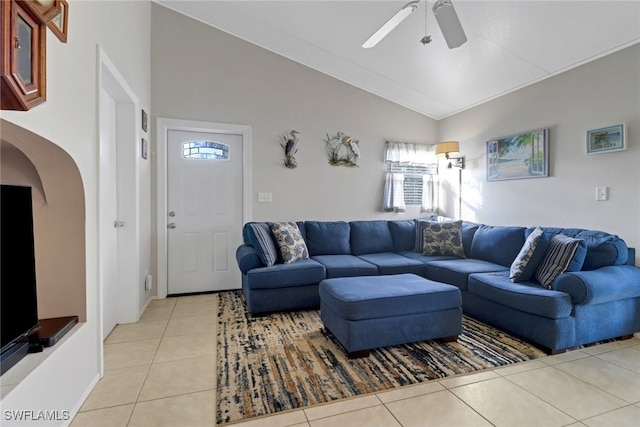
(118,210)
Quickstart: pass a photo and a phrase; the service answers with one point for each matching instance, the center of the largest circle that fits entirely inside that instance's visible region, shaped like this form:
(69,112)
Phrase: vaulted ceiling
(511,44)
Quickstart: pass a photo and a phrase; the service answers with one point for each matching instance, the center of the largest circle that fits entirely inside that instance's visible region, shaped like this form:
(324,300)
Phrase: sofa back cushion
(468,231)
(328,238)
(603,249)
(403,234)
(497,244)
(247,231)
(370,237)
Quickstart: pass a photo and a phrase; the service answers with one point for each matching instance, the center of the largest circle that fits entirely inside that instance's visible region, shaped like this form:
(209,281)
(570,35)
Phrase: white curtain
(393,199)
(428,194)
(403,152)
(393,194)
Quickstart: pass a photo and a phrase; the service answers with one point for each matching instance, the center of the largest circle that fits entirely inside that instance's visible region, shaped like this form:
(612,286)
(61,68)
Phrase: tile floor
(161,372)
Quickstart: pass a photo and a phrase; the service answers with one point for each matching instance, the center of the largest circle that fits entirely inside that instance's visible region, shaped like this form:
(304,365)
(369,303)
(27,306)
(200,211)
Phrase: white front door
(108,212)
(204,199)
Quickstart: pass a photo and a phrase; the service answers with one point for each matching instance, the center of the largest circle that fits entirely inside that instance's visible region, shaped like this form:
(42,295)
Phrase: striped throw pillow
(263,243)
(559,256)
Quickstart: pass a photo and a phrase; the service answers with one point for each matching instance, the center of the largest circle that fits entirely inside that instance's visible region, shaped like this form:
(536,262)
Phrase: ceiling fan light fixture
(392,23)
(449,23)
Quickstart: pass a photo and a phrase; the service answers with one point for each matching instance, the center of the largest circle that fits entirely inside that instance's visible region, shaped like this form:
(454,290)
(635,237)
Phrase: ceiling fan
(446,17)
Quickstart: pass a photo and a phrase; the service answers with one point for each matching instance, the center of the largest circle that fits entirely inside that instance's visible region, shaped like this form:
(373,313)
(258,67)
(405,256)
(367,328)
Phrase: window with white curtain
(410,177)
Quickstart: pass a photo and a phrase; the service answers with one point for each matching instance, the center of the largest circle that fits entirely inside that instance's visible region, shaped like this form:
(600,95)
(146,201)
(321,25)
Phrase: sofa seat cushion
(426,259)
(370,237)
(346,266)
(392,263)
(360,298)
(528,296)
(457,271)
(301,272)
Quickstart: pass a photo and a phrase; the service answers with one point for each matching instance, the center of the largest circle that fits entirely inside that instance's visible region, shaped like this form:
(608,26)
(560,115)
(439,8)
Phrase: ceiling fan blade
(449,23)
(391,24)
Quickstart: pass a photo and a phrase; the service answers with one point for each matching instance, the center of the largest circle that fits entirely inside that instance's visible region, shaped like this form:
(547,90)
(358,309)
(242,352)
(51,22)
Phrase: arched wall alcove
(59,217)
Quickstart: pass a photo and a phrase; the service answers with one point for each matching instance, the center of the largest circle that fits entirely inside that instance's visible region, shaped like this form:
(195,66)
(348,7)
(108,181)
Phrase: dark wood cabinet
(23,67)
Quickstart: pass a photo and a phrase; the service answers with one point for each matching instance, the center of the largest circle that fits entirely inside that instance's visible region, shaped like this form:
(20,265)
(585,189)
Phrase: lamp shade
(444,149)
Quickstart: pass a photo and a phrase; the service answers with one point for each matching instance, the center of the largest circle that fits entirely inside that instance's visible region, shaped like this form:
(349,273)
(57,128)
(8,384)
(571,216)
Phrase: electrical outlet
(264,198)
(602,193)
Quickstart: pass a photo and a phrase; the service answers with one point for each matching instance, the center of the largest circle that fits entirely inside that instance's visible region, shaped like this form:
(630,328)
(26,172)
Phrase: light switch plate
(602,193)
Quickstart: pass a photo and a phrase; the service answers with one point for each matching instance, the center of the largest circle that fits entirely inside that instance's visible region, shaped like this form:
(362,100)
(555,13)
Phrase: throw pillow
(443,238)
(524,266)
(290,241)
(560,254)
(419,245)
(260,238)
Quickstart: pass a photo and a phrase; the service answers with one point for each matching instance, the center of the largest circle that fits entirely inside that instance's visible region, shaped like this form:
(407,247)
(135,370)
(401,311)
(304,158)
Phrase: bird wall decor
(289,144)
(339,144)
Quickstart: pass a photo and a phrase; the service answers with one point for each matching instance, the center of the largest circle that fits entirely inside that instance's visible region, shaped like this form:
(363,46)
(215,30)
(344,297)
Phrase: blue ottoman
(368,312)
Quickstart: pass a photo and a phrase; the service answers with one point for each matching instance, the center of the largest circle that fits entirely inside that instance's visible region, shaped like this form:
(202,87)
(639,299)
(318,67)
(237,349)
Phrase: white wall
(69,119)
(601,93)
(200,73)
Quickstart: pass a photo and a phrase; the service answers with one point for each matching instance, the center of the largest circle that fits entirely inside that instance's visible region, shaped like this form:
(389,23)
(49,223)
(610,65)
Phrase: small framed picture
(59,24)
(144,147)
(606,140)
(144,120)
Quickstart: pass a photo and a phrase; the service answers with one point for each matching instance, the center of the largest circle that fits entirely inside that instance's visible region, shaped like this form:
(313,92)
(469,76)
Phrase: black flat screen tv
(18,302)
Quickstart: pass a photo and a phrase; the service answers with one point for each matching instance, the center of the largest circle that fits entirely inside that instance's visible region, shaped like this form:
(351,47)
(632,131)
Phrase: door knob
(172,225)
(172,214)
(118,224)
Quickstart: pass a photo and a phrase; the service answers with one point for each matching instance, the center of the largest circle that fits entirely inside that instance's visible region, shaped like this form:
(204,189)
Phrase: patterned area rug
(286,361)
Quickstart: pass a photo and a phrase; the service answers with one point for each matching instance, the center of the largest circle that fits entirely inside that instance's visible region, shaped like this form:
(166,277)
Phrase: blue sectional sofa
(597,298)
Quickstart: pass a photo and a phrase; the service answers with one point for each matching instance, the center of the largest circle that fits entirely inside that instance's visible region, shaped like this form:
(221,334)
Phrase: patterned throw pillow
(419,246)
(443,238)
(557,259)
(524,266)
(290,241)
(261,240)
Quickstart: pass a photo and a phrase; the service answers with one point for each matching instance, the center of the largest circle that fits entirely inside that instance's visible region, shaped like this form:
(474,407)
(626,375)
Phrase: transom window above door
(205,150)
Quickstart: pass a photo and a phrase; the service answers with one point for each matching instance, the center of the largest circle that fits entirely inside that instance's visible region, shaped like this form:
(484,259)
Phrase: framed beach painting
(524,155)
(606,140)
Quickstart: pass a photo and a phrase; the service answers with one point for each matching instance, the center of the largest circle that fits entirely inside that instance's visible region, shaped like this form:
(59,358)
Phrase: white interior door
(108,213)
(204,199)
